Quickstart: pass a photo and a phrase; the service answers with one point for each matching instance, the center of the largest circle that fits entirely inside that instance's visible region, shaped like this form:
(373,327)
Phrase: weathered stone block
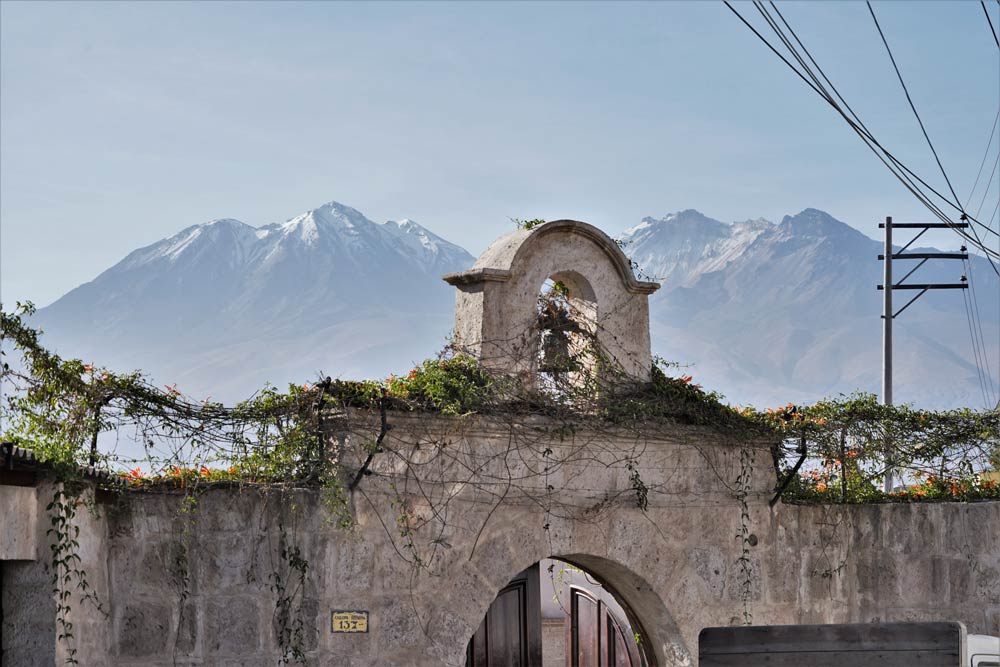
(740,582)
(396,623)
(992,621)
(232,626)
(877,576)
(348,564)
(18,523)
(304,617)
(142,628)
(781,583)
(221,510)
(960,580)
(230,562)
(987,580)
(915,580)
(710,566)
(188,629)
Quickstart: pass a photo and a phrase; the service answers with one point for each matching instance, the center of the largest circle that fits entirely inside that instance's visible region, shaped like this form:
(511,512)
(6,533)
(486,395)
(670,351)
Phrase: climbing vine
(744,485)
(68,573)
(292,572)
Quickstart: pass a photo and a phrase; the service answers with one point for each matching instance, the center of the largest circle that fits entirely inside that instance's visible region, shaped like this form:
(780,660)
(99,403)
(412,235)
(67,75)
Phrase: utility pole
(888,287)
(887,341)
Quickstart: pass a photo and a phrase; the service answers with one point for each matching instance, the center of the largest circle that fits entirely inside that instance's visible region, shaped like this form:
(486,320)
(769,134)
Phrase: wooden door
(511,633)
(596,637)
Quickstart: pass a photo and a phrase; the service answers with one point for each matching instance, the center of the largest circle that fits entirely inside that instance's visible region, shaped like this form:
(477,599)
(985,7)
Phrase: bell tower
(592,295)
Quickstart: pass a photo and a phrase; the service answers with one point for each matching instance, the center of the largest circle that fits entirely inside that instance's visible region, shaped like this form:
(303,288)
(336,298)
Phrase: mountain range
(789,311)
(764,312)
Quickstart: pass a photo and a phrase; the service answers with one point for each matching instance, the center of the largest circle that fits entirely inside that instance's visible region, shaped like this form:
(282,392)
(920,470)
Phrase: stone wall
(198,584)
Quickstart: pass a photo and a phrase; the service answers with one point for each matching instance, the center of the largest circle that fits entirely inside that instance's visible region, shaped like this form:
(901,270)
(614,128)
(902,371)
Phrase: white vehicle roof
(984,650)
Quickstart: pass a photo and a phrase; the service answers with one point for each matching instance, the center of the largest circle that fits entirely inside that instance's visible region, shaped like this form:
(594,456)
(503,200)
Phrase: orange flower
(205,472)
(821,486)
(88,367)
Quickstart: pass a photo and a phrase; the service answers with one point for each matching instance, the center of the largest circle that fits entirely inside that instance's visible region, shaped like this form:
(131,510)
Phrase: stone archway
(645,612)
(630,576)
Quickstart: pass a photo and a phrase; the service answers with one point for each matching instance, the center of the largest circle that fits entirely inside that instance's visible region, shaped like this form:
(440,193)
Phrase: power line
(989,182)
(983,162)
(923,129)
(910,100)
(866,135)
(990,21)
(977,324)
(904,174)
(975,349)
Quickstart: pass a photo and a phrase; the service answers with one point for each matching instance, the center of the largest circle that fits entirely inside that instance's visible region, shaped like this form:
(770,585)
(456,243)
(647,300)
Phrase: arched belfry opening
(567,327)
(552,299)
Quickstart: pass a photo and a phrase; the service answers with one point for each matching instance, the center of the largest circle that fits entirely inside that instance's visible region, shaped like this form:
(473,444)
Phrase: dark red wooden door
(511,633)
(596,638)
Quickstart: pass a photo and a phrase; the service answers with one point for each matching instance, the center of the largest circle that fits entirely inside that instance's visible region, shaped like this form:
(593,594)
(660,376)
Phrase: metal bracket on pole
(928,255)
(925,225)
(919,294)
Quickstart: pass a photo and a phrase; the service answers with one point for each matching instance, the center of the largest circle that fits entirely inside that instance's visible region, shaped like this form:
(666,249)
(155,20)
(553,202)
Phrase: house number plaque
(349,621)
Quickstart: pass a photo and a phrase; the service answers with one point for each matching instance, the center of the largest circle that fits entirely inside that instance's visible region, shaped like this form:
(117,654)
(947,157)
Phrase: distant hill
(767,313)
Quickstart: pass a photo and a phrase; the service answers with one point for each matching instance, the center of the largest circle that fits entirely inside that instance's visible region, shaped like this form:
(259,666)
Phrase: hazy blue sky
(123,123)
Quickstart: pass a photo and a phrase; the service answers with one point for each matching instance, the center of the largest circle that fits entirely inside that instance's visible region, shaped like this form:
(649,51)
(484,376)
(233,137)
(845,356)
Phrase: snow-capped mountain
(686,244)
(770,313)
(765,312)
(222,307)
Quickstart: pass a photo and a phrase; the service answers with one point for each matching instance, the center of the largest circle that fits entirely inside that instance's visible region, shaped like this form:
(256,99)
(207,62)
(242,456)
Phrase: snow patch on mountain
(681,246)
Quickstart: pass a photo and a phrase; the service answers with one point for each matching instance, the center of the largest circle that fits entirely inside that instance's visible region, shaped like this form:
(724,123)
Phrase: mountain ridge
(766,311)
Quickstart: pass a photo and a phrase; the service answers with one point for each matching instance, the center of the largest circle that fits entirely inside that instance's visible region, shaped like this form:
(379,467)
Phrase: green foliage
(456,385)
(676,400)
(527,224)
(58,412)
(939,455)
